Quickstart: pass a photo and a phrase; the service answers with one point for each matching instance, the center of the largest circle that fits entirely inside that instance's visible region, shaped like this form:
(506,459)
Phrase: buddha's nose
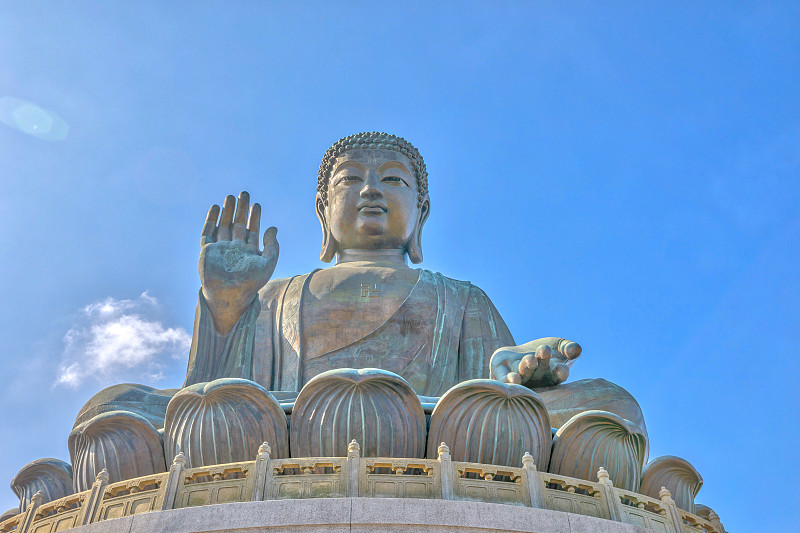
(370,191)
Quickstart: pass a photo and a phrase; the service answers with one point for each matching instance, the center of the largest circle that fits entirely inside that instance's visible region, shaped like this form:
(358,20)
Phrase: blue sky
(626,175)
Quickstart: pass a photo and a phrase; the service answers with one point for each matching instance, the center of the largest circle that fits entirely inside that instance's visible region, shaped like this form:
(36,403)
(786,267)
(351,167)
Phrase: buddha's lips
(372,206)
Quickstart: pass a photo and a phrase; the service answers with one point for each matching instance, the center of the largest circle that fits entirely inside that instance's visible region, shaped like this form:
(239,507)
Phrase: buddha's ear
(415,243)
(328,250)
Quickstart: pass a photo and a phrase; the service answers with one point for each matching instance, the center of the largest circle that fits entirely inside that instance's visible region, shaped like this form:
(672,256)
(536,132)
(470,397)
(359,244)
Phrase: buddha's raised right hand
(540,363)
(232,269)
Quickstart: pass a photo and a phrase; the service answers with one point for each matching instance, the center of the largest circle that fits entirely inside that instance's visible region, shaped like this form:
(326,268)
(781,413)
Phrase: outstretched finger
(210,227)
(500,371)
(540,360)
(270,242)
(569,349)
(226,220)
(239,230)
(500,364)
(560,373)
(253,225)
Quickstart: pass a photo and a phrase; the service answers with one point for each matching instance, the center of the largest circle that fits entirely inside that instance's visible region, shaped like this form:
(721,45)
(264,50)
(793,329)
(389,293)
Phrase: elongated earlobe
(328,250)
(415,243)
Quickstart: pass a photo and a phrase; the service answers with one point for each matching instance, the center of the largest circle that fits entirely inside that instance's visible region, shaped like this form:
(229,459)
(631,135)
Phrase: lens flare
(29,118)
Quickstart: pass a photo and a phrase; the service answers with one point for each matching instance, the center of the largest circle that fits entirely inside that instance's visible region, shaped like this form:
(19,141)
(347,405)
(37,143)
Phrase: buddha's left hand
(540,363)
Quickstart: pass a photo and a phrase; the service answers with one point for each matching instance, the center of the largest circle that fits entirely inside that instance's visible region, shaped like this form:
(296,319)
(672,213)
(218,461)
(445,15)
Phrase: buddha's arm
(232,270)
(215,356)
(482,332)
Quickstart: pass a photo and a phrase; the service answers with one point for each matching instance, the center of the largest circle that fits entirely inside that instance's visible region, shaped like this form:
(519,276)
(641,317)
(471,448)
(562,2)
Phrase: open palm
(232,268)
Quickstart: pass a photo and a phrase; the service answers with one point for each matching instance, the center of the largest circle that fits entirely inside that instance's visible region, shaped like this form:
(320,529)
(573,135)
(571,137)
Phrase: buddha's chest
(342,305)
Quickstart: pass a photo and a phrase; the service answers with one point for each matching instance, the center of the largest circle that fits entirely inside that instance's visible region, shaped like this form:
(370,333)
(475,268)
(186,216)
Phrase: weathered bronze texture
(486,421)
(595,439)
(145,401)
(51,477)
(677,475)
(123,443)
(569,399)
(224,421)
(377,408)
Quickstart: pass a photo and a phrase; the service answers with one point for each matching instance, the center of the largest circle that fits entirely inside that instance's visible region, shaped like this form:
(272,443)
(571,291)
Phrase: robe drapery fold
(216,356)
(443,333)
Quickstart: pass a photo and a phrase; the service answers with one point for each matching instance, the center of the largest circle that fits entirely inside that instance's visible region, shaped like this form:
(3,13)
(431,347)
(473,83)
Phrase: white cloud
(115,337)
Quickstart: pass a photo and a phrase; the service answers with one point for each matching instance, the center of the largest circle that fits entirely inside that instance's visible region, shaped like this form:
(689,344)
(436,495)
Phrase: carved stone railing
(355,476)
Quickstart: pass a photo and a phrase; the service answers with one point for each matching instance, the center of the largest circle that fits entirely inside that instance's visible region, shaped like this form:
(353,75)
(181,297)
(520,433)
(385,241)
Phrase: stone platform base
(362,515)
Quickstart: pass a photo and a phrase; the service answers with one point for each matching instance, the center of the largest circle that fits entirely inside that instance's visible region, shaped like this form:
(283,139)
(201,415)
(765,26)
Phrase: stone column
(262,473)
(353,469)
(613,502)
(715,521)
(30,512)
(446,472)
(91,503)
(672,510)
(173,482)
(534,482)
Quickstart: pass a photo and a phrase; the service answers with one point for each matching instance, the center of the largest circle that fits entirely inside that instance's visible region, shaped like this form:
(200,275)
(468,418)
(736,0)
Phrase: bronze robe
(443,333)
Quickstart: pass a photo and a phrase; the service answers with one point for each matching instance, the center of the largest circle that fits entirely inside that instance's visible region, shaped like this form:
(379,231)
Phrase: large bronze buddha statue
(370,309)
(368,347)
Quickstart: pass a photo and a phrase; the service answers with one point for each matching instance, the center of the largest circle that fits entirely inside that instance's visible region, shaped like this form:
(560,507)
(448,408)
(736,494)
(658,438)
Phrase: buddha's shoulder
(277,288)
(439,278)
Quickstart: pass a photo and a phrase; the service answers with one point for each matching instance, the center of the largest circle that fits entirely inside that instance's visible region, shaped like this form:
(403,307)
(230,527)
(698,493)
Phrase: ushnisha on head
(372,194)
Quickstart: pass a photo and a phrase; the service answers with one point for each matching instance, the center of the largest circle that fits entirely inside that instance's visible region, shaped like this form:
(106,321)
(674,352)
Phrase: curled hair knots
(372,140)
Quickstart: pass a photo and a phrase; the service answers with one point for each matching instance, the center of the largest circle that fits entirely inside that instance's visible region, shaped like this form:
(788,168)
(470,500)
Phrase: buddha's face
(373,200)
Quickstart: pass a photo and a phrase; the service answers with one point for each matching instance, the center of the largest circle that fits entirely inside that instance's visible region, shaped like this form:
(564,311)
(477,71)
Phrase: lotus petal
(224,421)
(593,439)
(52,477)
(375,407)
(677,475)
(140,399)
(486,421)
(124,443)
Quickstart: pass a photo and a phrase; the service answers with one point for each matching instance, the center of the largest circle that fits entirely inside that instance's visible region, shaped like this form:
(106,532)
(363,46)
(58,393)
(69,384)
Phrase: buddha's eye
(394,180)
(348,178)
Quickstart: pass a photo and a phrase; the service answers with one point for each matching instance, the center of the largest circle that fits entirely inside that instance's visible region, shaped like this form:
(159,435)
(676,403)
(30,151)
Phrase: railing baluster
(353,469)
(672,509)
(262,473)
(534,484)
(95,497)
(447,473)
(174,482)
(715,521)
(609,494)
(30,513)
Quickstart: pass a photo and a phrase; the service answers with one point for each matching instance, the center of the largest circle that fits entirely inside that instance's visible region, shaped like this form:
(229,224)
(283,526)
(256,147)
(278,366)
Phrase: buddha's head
(372,194)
